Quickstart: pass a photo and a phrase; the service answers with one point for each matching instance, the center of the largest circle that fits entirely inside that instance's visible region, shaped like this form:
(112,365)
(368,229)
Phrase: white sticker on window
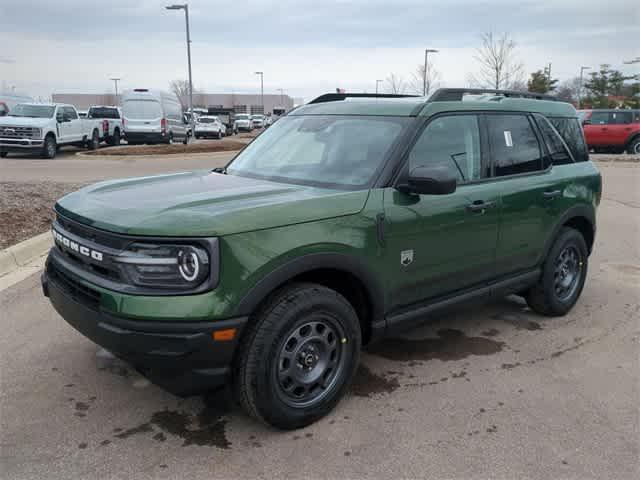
(507,138)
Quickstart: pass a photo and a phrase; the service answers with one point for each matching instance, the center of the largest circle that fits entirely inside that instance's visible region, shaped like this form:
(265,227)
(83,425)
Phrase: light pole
(185,7)
(281,90)
(261,89)
(116,80)
(427,51)
(582,69)
(378,82)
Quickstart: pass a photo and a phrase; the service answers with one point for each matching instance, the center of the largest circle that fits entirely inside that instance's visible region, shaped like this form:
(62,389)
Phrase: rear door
(437,244)
(528,191)
(620,127)
(142,115)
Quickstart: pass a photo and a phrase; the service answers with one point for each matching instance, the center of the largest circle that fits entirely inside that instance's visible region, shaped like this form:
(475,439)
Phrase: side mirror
(430,181)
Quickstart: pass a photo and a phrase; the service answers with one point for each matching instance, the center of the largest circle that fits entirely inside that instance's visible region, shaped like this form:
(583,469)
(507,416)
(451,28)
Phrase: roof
(360,104)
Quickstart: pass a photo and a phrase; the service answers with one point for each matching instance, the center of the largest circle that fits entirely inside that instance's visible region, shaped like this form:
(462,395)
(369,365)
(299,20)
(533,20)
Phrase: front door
(437,244)
(596,130)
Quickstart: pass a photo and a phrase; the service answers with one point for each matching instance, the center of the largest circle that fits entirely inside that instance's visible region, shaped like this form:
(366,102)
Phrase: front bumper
(179,356)
(19,144)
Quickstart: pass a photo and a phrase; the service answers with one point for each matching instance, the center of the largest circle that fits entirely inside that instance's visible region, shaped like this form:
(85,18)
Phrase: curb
(22,254)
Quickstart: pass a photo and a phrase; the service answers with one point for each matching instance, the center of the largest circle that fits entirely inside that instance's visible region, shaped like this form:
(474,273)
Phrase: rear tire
(114,140)
(94,142)
(50,148)
(634,147)
(563,275)
(3,154)
(298,356)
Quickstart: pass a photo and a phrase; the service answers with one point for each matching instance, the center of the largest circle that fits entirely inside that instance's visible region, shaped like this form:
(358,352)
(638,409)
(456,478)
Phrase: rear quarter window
(571,132)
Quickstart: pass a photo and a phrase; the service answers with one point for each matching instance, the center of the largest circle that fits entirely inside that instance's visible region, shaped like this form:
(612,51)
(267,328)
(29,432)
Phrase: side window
(571,132)
(514,145)
(452,142)
(620,118)
(71,113)
(599,118)
(558,152)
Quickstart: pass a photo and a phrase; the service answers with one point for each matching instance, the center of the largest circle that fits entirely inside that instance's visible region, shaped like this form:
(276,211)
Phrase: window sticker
(508,141)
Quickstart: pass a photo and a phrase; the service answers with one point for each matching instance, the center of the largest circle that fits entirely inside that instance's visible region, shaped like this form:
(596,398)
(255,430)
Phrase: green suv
(351,218)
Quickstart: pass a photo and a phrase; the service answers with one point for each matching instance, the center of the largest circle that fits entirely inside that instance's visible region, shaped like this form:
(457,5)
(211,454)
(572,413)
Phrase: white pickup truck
(45,127)
(110,121)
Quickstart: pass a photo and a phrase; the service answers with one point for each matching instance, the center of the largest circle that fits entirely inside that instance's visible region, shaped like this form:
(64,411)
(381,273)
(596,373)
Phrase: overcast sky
(304,47)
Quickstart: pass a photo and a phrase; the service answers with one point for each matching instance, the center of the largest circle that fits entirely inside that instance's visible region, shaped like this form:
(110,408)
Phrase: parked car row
(614,131)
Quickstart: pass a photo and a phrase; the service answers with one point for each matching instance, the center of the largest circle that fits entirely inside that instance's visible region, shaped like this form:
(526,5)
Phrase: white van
(152,116)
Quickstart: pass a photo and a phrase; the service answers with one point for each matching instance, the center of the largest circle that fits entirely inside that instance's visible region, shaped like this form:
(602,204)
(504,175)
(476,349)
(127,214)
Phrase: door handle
(480,206)
(551,194)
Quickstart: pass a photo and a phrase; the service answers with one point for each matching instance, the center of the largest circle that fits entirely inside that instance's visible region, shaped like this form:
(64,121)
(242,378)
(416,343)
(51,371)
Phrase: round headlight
(188,265)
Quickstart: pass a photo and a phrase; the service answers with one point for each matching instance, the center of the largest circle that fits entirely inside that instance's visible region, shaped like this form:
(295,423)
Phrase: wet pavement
(483,391)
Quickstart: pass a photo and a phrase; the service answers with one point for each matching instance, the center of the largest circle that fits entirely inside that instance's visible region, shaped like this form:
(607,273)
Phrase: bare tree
(395,84)
(499,66)
(569,90)
(181,89)
(416,82)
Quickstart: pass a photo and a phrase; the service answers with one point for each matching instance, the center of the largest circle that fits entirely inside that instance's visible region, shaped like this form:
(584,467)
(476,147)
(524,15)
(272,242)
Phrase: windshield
(34,111)
(207,120)
(103,112)
(242,117)
(142,109)
(331,151)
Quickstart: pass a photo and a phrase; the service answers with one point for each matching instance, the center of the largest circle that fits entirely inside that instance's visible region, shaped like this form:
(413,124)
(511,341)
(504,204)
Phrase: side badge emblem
(406,257)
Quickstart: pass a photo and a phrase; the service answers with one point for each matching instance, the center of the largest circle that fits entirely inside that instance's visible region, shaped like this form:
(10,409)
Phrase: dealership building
(240,102)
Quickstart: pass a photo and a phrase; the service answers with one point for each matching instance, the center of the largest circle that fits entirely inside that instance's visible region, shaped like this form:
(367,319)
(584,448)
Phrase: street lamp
(281,90)
(377,83)
(582,69)
(116,80)
(261,89)
(426,65)
(185,7)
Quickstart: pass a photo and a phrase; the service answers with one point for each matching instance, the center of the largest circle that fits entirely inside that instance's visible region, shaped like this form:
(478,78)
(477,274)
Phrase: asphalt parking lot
(491,391)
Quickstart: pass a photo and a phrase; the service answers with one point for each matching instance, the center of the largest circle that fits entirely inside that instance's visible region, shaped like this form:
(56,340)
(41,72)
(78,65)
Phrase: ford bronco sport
(351,218)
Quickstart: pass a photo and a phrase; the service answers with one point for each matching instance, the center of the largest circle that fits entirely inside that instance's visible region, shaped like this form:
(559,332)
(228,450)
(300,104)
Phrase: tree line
(498,67)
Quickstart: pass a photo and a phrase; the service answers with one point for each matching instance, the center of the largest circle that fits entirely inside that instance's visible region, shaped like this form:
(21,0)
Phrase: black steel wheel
(297,356)
(310,360)
(563,275)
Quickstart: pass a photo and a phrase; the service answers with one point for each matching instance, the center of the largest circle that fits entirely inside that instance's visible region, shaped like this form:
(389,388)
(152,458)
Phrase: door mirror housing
(430,181)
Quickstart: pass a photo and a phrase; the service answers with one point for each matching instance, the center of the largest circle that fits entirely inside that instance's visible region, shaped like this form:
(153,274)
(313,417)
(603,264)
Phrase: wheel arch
(634,136)
(346,274)
(580,217)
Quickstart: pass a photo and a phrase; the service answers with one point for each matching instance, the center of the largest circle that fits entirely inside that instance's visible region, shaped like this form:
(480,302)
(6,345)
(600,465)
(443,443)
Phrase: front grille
(8,131)
(81,293)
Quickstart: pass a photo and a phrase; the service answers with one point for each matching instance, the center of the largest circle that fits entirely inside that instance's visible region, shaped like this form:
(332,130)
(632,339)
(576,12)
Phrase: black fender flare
(582,210)
(307,263)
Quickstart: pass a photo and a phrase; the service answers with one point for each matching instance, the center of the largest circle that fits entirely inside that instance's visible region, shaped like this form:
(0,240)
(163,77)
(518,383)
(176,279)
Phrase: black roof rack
(334,97)
(456,94)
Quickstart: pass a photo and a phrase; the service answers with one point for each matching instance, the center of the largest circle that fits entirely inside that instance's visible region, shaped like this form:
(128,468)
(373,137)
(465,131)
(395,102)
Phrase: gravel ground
(25,208)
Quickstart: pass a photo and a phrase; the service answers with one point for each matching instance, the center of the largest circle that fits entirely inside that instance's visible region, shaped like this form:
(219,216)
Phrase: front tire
(3,154)
(298,356)
(634,147)
(50,148)
(563,275)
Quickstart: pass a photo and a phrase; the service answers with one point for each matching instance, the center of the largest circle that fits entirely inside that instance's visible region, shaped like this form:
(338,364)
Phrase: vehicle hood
(203,203)
(24,121)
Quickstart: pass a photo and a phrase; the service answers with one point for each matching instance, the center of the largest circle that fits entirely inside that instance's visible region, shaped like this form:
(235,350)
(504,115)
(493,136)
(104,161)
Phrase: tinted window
(330,150)
(558,152)
(452,142)
(599,118)
(142,109)
(70,113)
(571,132)
(514,145)
(100,112)
(620,118)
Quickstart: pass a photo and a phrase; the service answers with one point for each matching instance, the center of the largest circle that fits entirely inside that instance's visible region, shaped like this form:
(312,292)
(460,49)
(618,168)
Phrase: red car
(612,130)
